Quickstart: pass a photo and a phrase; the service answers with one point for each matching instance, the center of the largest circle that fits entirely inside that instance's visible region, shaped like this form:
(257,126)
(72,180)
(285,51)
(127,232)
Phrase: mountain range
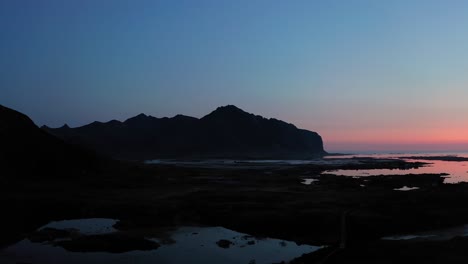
(227,132)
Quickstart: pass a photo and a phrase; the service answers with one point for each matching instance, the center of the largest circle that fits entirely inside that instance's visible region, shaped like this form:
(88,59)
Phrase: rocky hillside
(29,151)
(227,132)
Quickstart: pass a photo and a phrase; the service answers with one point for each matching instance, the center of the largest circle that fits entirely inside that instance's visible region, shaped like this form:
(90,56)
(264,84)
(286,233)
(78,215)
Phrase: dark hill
(227,132)
(30,151)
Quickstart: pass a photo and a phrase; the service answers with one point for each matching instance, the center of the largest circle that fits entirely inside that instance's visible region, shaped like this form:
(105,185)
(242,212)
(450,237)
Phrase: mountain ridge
(227,132)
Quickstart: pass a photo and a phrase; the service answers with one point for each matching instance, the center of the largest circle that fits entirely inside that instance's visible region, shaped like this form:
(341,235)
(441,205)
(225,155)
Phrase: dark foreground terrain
(263,200)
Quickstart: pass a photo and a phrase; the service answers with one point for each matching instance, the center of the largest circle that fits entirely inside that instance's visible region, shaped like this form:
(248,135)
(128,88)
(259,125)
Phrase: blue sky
(361,73)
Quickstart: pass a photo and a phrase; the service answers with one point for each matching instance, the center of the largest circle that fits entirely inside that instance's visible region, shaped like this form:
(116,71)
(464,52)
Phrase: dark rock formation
(29,151)
(224,243)
(227,132)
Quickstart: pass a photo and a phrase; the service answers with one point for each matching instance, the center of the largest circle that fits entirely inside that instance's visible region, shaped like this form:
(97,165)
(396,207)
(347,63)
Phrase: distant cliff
(227,132)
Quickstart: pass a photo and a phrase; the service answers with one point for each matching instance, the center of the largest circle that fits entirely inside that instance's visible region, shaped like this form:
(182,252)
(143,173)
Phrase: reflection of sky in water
(193,245)
(308,181)
(230,163)
(202,247)
(440,234)
(457,170)
(88,226)
(406,188)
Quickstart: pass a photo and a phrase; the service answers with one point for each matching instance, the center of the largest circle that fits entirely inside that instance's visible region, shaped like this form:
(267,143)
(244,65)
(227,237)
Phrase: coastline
(265,201)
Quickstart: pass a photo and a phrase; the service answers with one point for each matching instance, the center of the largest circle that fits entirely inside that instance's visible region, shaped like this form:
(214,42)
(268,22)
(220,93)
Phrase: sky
(365,75)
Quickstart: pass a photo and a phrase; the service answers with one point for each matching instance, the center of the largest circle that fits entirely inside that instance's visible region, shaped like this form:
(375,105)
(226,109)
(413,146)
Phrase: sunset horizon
(394,140)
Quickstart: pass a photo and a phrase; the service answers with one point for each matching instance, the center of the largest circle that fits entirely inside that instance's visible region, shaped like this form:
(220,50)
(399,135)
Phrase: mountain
(227,132)
(29,151)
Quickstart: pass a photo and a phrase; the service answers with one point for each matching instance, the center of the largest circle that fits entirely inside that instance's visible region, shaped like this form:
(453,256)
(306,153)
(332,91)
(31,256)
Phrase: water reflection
(188,245)
(457,170)
(90,226)
(309,181)
(406,188)
(440,234)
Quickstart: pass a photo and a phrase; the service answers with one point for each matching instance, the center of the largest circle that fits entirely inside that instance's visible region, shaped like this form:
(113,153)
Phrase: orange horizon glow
(429,123)
(443,139)
(449,146)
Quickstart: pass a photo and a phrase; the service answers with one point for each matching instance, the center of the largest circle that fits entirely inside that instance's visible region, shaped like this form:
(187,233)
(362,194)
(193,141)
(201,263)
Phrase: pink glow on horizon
(394,147)
(396,139)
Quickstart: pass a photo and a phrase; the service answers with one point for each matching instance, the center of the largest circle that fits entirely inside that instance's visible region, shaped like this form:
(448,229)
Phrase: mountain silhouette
(29,151)
(227,132)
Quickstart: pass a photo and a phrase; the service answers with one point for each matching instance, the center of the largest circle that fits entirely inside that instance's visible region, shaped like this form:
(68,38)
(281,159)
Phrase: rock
(224,243)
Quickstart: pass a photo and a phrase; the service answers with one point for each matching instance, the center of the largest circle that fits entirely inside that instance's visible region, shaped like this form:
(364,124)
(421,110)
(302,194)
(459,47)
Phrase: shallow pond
(184,244)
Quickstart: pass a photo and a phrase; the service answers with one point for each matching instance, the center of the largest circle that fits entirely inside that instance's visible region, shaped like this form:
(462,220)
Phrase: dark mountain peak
(139,118)
(182,116)
(114,122)
(65,126)
(228,111)
(229,107)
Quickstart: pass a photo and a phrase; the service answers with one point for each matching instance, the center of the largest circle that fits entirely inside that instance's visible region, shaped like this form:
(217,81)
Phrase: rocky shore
(267,200)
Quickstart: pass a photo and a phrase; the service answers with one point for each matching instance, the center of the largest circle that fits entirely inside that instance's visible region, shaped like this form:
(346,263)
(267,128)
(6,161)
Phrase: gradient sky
(366,75)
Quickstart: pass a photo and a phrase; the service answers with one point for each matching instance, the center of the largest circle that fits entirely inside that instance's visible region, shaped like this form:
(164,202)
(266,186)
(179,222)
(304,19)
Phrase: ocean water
(457,170)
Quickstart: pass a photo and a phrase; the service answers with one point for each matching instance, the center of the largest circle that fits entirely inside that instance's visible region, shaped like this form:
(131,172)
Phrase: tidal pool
(186,244)
(308,181)
(406,188)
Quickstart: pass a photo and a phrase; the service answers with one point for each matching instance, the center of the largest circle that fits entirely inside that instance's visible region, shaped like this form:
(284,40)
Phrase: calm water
(189,245)
(457,170)
(406,188)
(230,163)
(309,181)
(440,234)
(91,226)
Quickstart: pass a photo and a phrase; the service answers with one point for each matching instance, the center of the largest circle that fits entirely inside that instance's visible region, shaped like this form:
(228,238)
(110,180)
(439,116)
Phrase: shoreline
(265,201)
